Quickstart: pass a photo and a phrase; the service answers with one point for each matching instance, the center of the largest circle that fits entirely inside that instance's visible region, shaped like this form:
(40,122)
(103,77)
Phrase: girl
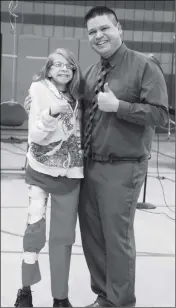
(55,167)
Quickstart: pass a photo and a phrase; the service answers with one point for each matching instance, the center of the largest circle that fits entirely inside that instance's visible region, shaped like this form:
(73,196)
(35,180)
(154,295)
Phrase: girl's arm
(41,123)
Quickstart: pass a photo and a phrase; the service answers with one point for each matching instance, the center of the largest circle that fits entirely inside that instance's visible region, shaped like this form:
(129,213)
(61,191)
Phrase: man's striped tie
(94,106)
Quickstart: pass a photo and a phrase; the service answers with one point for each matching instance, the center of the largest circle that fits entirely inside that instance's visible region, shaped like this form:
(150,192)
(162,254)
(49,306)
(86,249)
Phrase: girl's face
(61,71)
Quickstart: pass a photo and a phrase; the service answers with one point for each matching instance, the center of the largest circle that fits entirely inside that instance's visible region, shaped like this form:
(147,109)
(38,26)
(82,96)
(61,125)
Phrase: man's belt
(113,159)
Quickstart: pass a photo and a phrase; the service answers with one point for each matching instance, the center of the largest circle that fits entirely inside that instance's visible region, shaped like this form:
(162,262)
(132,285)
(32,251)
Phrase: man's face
(104,35)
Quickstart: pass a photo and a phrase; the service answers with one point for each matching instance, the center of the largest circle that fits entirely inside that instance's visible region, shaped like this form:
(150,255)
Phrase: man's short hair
(99,11)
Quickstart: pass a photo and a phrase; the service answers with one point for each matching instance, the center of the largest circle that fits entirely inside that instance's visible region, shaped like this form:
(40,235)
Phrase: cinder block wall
(148,26)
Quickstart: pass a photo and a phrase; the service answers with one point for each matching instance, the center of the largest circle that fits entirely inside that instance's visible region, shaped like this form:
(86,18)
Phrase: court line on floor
(25,207)
(139,254)
(153,254)
(21,236)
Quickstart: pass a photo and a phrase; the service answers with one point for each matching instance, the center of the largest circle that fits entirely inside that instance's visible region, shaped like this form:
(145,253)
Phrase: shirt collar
(117,56)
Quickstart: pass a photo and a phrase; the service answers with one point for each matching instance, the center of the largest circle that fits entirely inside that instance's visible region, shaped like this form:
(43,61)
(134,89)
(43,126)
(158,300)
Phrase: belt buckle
(111,160)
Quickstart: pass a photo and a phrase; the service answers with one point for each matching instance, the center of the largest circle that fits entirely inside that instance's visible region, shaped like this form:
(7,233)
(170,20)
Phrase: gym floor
(154,229)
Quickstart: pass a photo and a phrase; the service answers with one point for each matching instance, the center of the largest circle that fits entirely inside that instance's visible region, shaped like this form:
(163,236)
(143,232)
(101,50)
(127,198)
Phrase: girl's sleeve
(41,124)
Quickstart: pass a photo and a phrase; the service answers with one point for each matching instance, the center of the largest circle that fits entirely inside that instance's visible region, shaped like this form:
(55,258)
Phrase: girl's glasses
(62,65)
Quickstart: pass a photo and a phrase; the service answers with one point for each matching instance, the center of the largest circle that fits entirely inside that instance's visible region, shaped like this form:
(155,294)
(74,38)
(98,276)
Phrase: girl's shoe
(24,298)
(61,303)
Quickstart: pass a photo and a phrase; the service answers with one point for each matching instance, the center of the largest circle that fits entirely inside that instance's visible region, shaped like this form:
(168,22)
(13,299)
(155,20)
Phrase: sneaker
(61,303)
(24,299)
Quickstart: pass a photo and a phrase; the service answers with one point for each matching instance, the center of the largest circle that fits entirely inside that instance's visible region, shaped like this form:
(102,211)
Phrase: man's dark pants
(108,199)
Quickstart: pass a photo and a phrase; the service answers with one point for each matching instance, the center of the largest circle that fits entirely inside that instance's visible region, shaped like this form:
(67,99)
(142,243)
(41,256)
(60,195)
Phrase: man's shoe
(130,304)
(24,299)
(98,304)
(61,303)
(95,304)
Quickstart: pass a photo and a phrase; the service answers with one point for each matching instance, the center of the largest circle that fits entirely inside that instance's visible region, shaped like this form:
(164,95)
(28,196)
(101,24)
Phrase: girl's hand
(61,107)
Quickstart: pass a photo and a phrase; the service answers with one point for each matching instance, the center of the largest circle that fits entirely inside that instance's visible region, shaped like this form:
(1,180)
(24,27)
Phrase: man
(117,145)
(125,97)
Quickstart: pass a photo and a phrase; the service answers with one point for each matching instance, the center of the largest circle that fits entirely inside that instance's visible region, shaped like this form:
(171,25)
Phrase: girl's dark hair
(76,82)
(99,11)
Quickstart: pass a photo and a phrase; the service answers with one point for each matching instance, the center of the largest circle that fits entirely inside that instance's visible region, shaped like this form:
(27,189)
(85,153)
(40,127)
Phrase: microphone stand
(145,205)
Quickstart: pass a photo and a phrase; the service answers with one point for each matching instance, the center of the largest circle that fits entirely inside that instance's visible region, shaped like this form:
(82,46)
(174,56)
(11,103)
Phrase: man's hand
(107,101)
(27,103)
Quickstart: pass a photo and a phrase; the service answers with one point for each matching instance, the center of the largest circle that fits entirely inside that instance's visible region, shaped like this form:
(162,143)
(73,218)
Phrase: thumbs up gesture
(107,101)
